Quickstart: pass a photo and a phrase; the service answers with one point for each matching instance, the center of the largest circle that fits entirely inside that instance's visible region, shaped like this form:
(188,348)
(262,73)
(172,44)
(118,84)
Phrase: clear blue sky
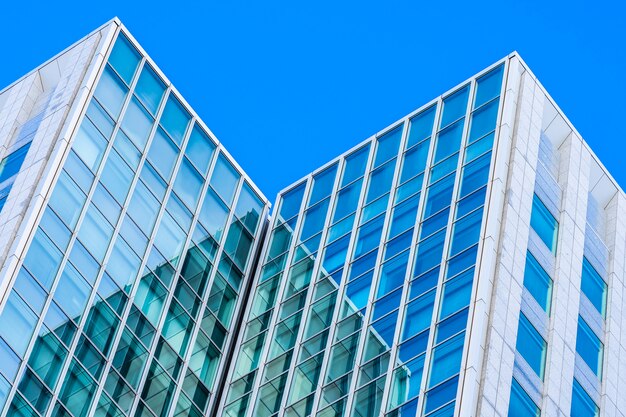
(287,86)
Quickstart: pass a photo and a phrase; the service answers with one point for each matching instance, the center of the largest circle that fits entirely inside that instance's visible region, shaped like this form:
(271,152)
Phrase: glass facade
(126,300)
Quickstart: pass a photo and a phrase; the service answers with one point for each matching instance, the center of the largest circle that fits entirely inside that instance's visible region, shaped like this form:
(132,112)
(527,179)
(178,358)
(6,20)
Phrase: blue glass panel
(224,179)
(374,208)
(314,220)
(355,165)
(478,148)
(441,395)
(100,119)
(30,290)
(419,314)
(323,184)
(213,214)
(421,126)
(290,202)
(380,181)
(449,140)
(188,184)
(9,363)
(200,149)
(589,347)
(335,255)
(439,196)
(414,161)
(17,323)
(424,282)
(169,239)
(521,405)
(124,146)
(106,204)
(175,119)
(475,174)
(409,188)
(95,233)
(111,92)
(12,163)
(454,106)
(488,86)
(89,145)
(78,171)
(434,223)
(123,265)
(398,244)
(457,293)
(483,121)
(471,202)
(444,167)
(462,261)
(43,259)
(150,89)
(403,216)
(143,208)
(544,223)
(363,264)
(5,387)
(72,292)
(538,282)
(347,200)
(133,235)
(446,360)
(249,207)
(137,123)
(582,404)
(84,262)
(429,253)
(392,274)
(531,345)
(451,326)
(388,145)
(369,236)
(466,232)
(54,227)
(340,228)
(124,58)
(387,304)
(163,154)
(594,287)
(358,291)
(153,181)
(386,327)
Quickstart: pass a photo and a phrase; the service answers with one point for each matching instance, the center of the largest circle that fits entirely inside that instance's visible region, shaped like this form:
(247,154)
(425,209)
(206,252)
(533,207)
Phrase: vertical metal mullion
(279,296)
(446,247)
(308,301)
(344,275)
(73,234)
(376,272)
(412,252)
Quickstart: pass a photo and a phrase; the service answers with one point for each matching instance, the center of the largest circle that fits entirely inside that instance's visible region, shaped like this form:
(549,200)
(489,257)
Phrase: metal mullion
(117,228)
(309,297)
(405,298)
(446,247)
(210,281)
(279,295)
(377,267)
(170,293)
(344,275)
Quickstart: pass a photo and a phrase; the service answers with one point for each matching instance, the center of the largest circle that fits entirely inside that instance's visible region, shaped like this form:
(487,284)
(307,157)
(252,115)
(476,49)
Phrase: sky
(287,86)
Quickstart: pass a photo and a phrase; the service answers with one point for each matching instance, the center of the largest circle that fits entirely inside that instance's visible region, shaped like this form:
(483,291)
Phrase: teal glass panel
(446,360)
(111,92)
(5,387)
(589,347)
(188,184)
(17,323)
(200,149)
(224,179)
(137,123)
(355,165)
(34,391)
(521,405)
(95,233)
(594,287)
(483,121)
(47,357)
(582,404)
(454,106)
(388,145)
(449,141)
(544,223)
(531,345)
(150,89)
(488,86)
(163,154)
(77,391)
(538,282)
(43,259)
(213,214)
(238,244)
(175,119)
(421,126)
(124,58)
(249,208)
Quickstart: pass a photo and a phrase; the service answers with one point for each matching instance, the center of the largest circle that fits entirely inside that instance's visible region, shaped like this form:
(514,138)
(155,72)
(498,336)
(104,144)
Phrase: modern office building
(468,260)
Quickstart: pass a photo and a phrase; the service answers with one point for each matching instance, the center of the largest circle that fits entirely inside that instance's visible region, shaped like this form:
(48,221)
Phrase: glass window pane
(488,86)
(150,89)
(17,323)
(347,201)
(124,58)
(323,184)
(475,174)
(314,220)
(12,163)
(465,232)
(594,287)
(163,154)
(224,179)
(369,236)
(125,147)
(454,106)
(521,405)
(175,119)
(100,119)
(355,165)
(117,176)
(483,121)
(439,196)
(419,314)
(388,145)
(544,223)
(249,207)
(478,148)
(403,216)
(449,141)
(582,404)
(67,200)
(137,123)
(290,202)
(213,214)
(429,253)
(95,233)
(170,239)
(531,345)
(89,145)
(111,92)
(440,395)
(188,184)
(589,347)
(72,292)
(446,360)
(43,259)
(421,126)
(538,282)
(200,149)
(457,293)
(414,161)
(380,181)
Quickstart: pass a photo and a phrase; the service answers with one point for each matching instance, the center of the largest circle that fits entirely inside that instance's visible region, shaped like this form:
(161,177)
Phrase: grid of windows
(367,275)
(125,299)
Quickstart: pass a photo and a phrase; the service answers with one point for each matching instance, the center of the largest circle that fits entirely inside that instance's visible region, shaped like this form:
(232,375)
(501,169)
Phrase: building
(468,260)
